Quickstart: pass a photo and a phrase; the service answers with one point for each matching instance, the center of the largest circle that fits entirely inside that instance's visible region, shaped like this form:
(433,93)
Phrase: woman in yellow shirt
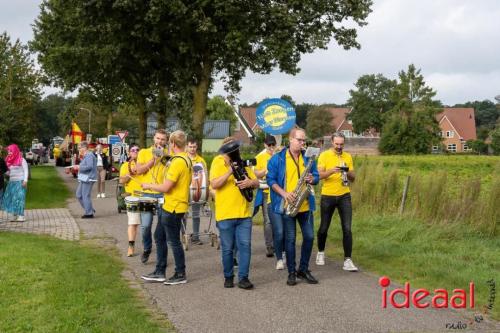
(128,177)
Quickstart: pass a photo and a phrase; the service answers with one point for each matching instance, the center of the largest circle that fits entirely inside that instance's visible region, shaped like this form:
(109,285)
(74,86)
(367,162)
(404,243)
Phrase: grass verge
(46,189)
(51,285)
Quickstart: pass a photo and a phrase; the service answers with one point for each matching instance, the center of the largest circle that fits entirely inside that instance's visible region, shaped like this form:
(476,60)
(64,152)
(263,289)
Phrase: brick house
(340,123)
(457,126)
(246,126)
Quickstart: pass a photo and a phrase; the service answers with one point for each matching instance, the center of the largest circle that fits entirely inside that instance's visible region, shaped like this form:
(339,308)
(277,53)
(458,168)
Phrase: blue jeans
(168,231)
(1,196)
(278,232)
(83,193)
(237,231)
(306,223)
(147,222)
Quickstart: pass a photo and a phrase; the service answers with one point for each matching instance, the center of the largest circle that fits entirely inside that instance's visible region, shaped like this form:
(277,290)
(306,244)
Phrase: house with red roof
(457,126)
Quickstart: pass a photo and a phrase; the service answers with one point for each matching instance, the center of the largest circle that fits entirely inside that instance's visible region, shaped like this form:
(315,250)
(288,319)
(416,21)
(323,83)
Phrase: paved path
(341,302)
(56,222)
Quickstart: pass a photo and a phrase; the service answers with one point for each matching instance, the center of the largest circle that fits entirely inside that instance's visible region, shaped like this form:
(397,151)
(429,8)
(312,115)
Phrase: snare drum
(198,190)
(147,204)
(132,203)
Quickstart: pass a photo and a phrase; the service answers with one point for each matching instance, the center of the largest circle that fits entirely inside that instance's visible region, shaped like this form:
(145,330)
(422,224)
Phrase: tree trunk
(200,97)
(109,120)
(141,110)
(162,107)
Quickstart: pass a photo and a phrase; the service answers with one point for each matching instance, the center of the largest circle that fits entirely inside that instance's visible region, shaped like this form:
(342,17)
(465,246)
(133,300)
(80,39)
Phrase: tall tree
(19,92)
(319,122)
(218,109)
(411,126)
(370,101)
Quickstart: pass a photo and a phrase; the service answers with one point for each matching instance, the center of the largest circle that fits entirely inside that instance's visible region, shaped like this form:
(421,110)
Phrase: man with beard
(336,168)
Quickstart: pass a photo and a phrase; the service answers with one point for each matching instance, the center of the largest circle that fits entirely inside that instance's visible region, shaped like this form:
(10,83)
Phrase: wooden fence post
(405,193)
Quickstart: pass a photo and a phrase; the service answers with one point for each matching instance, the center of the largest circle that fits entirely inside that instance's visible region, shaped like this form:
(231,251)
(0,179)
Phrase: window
(435,148)
(452,148)
(450,134)
(466,148)
(347,133)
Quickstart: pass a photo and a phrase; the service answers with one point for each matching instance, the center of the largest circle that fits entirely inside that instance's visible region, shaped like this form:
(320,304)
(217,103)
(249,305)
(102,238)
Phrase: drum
(198,190)
(132,203)
(147,204)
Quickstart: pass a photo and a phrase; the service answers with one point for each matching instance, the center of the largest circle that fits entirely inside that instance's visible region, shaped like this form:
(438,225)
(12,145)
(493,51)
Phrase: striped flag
(76,133)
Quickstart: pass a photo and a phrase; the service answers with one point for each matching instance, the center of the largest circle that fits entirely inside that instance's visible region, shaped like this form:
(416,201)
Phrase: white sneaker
(283,255)
(103,195)
(14,218)
(349,266)
(20,218)
(98,195)
(280,265)
(320,259)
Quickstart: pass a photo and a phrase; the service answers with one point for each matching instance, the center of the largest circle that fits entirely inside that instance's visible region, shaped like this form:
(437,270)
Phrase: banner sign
(275,116)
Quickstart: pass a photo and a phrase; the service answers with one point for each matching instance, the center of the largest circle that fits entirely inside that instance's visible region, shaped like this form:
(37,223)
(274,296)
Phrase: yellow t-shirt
(157,173)
(333,184)
(131,185)
(179,172)
(262,158)
(229,202)
(198,159)
(293,175)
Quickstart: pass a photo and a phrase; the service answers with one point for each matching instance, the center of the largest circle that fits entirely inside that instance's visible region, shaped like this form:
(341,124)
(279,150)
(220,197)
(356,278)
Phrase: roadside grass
(51,285)
(46,189)
(427,256)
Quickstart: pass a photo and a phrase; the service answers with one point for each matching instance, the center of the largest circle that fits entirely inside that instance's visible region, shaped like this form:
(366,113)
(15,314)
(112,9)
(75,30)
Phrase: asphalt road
(341,302)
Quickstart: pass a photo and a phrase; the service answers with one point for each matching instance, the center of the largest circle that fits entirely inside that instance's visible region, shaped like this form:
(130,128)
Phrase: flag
(76,133)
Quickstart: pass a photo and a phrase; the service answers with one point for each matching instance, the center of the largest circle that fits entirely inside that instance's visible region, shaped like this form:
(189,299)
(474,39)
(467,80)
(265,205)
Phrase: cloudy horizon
(451,41)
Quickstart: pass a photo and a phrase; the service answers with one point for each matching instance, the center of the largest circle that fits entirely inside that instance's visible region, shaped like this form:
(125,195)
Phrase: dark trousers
(328,205)
(168,231)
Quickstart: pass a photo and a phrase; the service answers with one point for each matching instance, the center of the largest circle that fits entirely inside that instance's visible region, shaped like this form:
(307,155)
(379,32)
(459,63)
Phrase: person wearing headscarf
(15,194)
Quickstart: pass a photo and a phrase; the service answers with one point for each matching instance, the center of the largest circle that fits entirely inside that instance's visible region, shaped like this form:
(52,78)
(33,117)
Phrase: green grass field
(51,285)
(46,189)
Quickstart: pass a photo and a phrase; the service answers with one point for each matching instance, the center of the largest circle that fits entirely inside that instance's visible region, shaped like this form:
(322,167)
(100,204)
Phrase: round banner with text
(275,116)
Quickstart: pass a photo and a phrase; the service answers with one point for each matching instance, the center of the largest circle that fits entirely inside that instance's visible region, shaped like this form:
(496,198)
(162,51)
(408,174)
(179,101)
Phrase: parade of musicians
(249,166)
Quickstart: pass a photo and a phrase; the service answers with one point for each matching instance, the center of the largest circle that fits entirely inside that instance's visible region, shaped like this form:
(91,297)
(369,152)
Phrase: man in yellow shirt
(283,173)
(191,150)
(128,173)
(151,170)
(263,198)
(335,166)
(176,191)
(233,216)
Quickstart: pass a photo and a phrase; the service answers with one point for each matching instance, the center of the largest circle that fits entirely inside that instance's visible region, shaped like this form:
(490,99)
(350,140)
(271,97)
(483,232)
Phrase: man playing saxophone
(286,170)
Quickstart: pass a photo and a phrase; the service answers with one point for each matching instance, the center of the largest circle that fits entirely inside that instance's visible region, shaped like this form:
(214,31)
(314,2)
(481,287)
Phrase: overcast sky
(455,43)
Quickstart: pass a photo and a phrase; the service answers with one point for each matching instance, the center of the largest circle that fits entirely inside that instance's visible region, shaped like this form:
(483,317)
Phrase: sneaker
(98,195)
(20,218)
(88,216)
(245,284)
(14,218)
(283,257)
(130,251)
(103,195)
(229,282)
(197,242)
(145,256)
(269,252)
(307,276)
(292,279)
(154,277)
(320,259)
(280,265)
(349,266)
(177,278)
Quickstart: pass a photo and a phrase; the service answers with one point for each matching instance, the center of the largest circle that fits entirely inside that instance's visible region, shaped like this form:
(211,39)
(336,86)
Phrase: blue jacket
(87,171)
(276,175)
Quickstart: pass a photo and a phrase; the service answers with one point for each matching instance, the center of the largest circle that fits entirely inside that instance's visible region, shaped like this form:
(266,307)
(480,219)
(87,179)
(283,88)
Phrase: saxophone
(303,189)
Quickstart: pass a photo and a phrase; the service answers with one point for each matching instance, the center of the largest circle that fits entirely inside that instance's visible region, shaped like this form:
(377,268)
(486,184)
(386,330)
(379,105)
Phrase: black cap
(270,140)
